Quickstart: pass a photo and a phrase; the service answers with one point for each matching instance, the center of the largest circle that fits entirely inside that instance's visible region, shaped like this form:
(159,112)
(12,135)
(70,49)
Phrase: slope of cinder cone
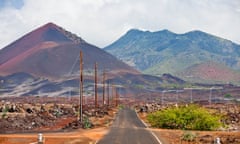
(52,51)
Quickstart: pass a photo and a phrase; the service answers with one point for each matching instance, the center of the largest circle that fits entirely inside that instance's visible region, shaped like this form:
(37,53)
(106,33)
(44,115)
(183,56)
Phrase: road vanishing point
(129,129)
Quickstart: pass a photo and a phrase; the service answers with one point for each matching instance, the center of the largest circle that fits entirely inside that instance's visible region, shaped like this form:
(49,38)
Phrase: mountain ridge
(167,52)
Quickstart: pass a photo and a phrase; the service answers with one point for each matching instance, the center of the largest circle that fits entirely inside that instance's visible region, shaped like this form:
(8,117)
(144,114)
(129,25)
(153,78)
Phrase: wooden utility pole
(96,91)
(103,103)
(108,93)
(81,86)
(116,97)
(113,89)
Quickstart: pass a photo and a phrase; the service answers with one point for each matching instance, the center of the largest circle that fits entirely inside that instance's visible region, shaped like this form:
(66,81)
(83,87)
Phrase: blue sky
(11,3)
(100,22)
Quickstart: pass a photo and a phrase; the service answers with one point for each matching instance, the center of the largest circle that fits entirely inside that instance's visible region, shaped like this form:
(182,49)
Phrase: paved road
(128,129)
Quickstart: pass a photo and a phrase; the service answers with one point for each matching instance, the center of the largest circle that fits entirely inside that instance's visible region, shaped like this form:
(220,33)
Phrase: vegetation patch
(86,123)
(121,107)
(188,136)
(190,117)
(4,112)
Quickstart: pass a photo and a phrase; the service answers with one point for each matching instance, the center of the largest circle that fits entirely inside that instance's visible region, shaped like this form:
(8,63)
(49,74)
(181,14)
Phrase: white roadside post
(40,138)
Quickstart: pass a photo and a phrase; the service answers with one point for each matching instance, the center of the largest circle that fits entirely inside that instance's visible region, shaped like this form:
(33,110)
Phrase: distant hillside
(167,52)
(212,73)
(23,84)
(50,51)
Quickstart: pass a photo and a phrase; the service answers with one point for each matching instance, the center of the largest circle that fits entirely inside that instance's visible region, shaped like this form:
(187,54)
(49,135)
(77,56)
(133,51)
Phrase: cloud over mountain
(102,21)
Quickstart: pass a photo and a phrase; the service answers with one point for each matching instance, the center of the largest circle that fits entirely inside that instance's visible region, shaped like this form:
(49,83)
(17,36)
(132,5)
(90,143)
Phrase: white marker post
(40,138)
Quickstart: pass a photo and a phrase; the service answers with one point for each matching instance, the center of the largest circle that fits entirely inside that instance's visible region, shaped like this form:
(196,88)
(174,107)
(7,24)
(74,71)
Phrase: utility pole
(191,98)
(81,86)
(162,97)
(96,91)
(103,87)
(116,97)
(108,93)
(69,95)
(177,97)
(210,96)
(113,88)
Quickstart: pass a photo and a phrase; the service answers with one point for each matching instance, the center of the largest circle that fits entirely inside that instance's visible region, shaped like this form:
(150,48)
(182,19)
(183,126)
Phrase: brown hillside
(48,32)
(51,51)
(210,71)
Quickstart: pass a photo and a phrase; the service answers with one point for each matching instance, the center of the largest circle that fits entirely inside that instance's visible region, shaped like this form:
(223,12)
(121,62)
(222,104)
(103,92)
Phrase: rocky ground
(24,117)
(32,115)
(199,137)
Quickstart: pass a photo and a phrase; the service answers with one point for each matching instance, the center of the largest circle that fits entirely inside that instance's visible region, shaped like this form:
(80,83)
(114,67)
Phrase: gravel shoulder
(76,137)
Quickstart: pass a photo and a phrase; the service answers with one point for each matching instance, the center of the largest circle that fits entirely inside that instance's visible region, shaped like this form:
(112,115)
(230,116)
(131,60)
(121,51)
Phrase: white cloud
(100,22)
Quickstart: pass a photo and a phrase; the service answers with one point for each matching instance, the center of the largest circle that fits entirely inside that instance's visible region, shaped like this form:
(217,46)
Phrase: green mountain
(167,52)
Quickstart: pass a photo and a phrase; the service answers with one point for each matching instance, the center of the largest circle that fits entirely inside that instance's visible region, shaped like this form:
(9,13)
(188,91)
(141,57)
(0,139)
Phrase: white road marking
(158,140)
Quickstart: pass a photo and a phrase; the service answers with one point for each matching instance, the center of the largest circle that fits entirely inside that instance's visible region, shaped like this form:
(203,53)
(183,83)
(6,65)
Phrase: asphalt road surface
(128,129)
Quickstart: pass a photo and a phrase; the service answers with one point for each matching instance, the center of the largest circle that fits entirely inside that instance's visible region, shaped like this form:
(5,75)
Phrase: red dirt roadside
(78,137)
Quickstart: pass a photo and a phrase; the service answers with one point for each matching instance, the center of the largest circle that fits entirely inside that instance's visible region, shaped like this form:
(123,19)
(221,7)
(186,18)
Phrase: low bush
(4,112)
(86,123)
(190,117)
(188,136)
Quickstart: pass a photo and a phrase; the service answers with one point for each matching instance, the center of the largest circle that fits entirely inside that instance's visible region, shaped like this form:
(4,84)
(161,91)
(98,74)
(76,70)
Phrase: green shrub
(227,95)
(86,123)
(4,113)
(120,107)
(188,136)
(187,117)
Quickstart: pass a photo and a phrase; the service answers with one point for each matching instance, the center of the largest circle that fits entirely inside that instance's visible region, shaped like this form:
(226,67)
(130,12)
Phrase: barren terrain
(77,137)
(56,118)
(58,122)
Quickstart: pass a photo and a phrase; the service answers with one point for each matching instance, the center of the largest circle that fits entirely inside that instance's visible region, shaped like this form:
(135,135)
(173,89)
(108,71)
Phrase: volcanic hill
(51,51)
